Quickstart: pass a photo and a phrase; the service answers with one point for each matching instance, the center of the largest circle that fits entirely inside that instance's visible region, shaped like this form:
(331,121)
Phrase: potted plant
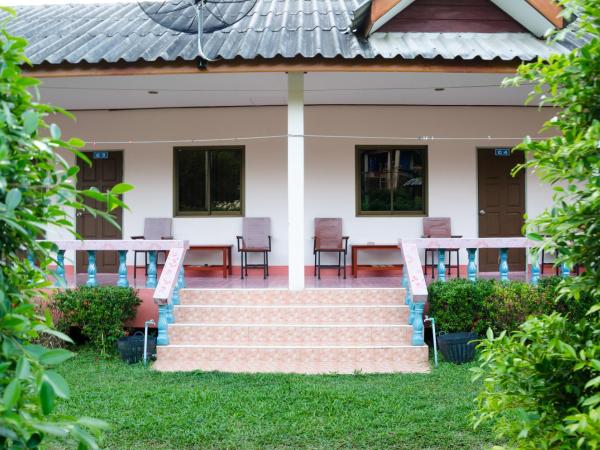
(457,307)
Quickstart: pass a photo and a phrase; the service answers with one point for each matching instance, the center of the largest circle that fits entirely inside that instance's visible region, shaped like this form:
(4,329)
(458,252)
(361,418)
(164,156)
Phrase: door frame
(477,208)
(80,257)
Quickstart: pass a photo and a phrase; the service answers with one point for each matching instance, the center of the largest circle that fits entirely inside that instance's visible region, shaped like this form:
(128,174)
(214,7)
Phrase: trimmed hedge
(99,312)
(462,305)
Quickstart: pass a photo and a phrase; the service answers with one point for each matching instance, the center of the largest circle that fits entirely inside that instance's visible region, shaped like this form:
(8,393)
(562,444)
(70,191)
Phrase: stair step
(291,314)
(293,359)
(279,334)
(390,296)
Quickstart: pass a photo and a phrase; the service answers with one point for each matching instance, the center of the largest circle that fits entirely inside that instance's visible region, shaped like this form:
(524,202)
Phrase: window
(391,181)
(208,181)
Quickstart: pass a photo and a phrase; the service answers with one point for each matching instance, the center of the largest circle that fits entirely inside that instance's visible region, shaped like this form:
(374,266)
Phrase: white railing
(166,287)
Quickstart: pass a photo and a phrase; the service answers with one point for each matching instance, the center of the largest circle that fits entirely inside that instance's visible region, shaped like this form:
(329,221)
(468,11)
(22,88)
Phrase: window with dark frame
(208,181)
(391,181)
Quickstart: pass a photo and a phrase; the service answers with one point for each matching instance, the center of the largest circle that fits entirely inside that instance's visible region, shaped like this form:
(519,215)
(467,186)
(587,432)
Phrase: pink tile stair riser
(277,330)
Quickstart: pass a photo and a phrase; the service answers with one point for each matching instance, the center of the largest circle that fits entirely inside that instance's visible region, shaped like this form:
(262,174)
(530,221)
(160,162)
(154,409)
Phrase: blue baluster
(170,315)
(417,324)
(411,313)
(175,297)
(182,278)
(535,268)
(565,270)
(61,280)
(123,281)
(472,266)
(163,336)
(31,258)
(442,264)
(91,270)
(406,286)
(503,264)
(151,280)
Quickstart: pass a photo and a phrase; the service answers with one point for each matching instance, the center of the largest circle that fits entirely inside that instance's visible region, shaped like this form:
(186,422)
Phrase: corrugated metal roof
(95,33)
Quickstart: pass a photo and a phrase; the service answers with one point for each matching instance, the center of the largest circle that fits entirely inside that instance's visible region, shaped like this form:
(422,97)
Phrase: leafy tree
(542,383)
(37,188)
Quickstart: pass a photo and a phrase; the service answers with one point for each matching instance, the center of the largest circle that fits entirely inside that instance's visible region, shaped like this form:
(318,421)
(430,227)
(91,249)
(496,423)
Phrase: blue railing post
(123,281)
(182,278)
(565,270)
(406,286)
(442,264)
(151,278)
(471,266)
(60,281)
(535,268)
(91,270)
(503,264)
(163,337)
(417,324)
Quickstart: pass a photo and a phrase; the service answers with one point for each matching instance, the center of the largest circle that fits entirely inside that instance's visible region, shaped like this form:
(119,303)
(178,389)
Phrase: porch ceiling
(251,89)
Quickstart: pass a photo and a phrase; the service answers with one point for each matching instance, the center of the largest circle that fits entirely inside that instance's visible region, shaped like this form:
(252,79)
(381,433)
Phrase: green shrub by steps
(462,305)
(100,312)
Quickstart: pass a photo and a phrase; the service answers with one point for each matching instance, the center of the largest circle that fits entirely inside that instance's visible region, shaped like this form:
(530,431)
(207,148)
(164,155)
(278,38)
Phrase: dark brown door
(105,172)
(501,204)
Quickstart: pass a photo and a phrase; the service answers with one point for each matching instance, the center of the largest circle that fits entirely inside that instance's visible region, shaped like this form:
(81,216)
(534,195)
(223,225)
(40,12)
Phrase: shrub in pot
(458,307)
(99,312)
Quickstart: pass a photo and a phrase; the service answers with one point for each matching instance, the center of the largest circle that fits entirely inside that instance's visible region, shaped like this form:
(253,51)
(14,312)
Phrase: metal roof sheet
(114,32)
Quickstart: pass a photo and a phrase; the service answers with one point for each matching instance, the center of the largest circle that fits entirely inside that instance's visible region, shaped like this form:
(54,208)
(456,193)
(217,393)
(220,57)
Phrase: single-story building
(378,112)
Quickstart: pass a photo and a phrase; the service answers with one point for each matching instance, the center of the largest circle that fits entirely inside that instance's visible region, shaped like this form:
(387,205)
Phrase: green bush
(540,383)
(100,312)
(457,305)
(462,305)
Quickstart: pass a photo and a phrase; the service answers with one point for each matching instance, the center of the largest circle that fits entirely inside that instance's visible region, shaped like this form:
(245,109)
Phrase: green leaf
(13,198)
(84,437)
(30,121)
(46,398)
(12,393)
(55,356)
(94,424)
(23,368)
(58,383)
(121,188)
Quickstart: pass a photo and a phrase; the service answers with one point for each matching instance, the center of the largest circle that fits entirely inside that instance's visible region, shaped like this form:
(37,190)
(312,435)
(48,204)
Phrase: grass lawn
(150,410)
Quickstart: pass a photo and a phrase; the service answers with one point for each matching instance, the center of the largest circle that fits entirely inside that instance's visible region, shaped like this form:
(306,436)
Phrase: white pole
(296,180)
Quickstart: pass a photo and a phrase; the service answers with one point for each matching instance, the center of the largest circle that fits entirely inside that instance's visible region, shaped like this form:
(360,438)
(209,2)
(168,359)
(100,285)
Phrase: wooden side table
(226,266)
(366,247)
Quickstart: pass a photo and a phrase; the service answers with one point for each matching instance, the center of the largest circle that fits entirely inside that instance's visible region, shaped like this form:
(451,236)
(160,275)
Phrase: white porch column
(296,180)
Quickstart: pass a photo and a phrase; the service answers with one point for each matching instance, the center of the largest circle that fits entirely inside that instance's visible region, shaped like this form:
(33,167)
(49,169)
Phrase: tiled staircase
(310,331)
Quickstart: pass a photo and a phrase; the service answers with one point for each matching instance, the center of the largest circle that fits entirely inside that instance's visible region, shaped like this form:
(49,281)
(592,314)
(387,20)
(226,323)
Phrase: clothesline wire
(158,90)
(309,136)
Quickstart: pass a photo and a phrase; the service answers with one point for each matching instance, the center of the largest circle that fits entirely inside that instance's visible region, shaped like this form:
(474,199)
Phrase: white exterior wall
(329,165)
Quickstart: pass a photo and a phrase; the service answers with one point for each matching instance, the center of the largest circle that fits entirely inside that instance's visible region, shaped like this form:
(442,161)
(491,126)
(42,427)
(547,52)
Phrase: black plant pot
(131,348)
(457,348)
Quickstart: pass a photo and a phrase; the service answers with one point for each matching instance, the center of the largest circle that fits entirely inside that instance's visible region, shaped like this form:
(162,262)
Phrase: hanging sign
(502,152)
(100,155)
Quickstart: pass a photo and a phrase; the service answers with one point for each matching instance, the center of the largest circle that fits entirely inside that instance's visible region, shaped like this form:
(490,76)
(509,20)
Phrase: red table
(225,266)
(366,247)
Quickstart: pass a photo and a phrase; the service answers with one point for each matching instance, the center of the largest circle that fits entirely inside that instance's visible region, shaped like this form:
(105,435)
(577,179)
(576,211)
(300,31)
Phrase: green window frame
(400,173)
(207,191)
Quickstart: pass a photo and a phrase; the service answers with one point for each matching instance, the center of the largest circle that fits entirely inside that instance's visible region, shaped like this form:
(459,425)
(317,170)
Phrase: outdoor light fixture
(439,89)
(153,92)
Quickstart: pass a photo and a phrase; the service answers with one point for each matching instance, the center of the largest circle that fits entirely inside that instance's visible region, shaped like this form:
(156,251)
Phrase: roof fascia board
(550,10)
(273,66)
(527,15)
(382,15)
